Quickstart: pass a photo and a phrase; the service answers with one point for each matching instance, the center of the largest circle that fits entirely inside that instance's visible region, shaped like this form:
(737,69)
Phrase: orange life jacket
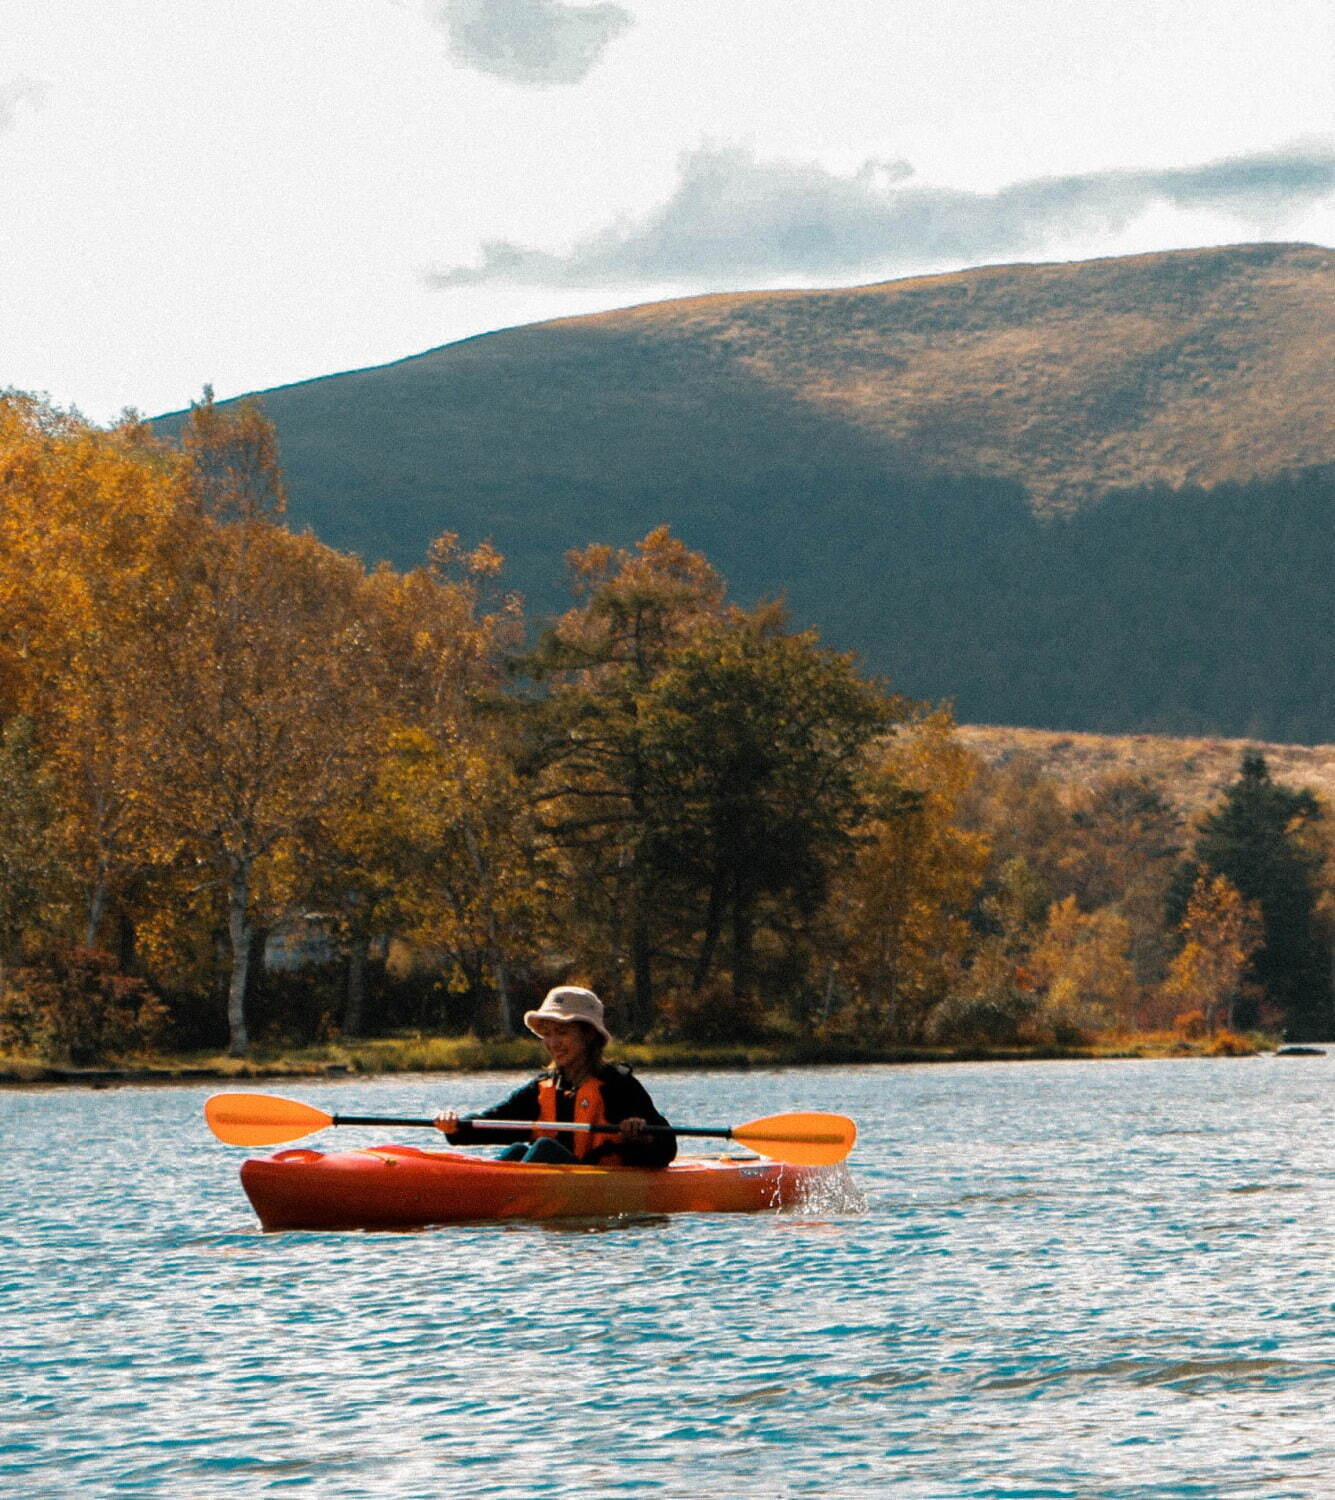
(590,1109)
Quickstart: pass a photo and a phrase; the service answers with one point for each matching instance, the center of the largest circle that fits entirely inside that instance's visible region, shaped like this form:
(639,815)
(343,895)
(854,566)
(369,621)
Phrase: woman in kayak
(578,1087)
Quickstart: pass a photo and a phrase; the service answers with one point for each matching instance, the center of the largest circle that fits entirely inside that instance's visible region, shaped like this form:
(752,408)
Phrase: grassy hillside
(1192,772)
(898,460)
(1184,368)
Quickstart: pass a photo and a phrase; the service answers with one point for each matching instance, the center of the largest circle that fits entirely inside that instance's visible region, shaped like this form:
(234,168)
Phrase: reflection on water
(622,1224)
(1104,1281)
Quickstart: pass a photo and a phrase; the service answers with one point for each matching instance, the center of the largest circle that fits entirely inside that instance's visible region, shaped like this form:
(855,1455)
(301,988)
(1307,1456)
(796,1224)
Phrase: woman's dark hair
(594,1040)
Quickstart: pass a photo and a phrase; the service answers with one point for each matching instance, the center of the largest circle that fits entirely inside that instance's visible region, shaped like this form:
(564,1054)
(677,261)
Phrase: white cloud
(14,91)
(735,219)
(537,42)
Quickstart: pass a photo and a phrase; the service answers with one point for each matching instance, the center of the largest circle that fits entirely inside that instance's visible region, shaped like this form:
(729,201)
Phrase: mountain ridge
(941,332)
(1093,495)
(931,437)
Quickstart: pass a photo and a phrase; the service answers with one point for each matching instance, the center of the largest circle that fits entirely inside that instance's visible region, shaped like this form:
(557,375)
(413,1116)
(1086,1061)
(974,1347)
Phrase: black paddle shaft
(554,1125)
(378,1120)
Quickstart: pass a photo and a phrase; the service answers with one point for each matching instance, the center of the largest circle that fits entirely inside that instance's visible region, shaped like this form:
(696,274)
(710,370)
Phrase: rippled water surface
(1068,1279)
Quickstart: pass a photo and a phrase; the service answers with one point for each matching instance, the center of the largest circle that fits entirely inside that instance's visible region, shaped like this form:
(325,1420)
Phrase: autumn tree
(694,767)
(1108,847)
(901,909)
(1220,933)
(29,868)
(439,852)
(259,713)
(994,998)
(211,693)
(432,833)
(1096,842)
(1125,834)
(1082,968)
(92,523)
(1023,815)
(232,452)
(1127,837)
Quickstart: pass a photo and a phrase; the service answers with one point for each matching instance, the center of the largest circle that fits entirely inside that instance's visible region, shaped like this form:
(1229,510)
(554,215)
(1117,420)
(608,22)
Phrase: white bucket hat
(567,1003)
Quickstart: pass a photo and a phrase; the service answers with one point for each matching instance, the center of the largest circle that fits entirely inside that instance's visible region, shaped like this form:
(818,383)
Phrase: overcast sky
(263,191)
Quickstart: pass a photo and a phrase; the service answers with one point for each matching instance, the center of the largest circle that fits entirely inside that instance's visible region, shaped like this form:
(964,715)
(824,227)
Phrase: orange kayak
(402,1187)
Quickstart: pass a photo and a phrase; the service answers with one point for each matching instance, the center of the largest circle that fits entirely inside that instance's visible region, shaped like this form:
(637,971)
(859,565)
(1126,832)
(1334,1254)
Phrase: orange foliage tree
(90,526)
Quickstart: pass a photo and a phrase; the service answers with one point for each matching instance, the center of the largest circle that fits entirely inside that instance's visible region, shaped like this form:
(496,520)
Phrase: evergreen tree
(756,739)
(1255,839)
(696,771)
(593,790)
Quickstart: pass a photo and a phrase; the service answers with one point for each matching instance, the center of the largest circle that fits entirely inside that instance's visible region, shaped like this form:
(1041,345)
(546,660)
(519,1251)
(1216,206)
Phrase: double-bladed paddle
(807,1140)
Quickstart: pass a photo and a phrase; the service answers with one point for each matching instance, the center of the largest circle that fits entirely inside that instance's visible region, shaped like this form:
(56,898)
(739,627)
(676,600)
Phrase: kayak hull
(402,1187)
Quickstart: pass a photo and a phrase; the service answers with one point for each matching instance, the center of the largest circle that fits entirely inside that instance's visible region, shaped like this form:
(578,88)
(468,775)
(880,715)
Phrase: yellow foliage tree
(437,804)
(1082,967)
(260,717)
(232,455)
(444,840)
(258,707)
(1221,931)
(901,911)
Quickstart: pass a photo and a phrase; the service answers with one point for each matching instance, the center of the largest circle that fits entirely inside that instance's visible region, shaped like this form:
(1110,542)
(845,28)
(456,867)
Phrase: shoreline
(465,1055)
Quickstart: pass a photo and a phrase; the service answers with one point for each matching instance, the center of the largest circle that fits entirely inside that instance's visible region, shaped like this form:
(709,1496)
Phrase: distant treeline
(214,732)
(1187,611)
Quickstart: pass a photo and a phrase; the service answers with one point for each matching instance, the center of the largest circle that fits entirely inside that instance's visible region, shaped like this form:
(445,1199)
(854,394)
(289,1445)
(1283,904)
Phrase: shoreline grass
(369,1057)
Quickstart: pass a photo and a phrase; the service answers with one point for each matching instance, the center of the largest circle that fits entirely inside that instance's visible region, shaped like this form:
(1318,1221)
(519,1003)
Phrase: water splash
(833,1191)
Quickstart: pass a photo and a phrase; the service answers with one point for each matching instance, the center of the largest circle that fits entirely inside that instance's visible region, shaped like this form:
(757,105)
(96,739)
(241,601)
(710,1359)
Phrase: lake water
(1081,1280)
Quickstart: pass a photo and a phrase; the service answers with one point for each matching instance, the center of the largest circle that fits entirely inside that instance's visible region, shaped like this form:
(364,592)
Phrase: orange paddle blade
(261,1119)
(806,1140)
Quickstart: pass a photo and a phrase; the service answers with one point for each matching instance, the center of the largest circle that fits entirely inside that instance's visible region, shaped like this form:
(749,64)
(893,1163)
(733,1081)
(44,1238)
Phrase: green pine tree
(1255,838)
